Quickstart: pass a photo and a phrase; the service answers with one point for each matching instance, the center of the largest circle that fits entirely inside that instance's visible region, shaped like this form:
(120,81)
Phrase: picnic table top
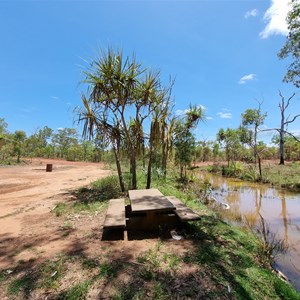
(149,200)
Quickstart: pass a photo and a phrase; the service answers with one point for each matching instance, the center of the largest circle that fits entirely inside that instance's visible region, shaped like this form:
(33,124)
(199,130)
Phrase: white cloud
(55,98)
(209,118)
(275,17)
(28,109)
(246,78)
(225,114)
(180,112)
(296,132)
(251,13)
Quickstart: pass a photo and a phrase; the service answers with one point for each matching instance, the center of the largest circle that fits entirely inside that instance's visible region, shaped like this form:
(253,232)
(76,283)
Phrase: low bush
(107,187)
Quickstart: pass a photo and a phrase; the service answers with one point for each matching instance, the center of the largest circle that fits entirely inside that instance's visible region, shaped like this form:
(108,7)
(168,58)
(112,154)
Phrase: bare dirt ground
(27,195)
(31,233)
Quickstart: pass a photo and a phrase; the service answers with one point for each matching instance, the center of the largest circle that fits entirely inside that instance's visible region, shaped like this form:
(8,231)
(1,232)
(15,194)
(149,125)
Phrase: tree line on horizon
(47,143)
(231,145)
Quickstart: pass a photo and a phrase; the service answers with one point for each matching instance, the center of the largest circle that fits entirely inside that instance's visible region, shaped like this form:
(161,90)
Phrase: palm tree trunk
(119,168)
(133,170)
(181,171)
(149,170)
(164,156)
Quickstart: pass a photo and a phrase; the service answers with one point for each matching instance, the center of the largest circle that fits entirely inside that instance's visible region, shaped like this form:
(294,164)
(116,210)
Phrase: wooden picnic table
(149,210)
(150,200)
(152,203)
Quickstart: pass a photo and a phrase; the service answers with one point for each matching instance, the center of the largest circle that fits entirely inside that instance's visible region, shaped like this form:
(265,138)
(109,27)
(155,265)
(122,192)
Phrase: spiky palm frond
(193,115)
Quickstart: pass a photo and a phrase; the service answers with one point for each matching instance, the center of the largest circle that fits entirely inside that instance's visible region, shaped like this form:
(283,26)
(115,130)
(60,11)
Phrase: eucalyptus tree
(184,140)
(120,97)
(86,150)
(6,145)
(37,143)
(203,150)
(292,44)
(3,132)
(64,138)
(252,119)
(101,144)
(3,127)
(229,140)
(292,148)
(19,138)
(184,148)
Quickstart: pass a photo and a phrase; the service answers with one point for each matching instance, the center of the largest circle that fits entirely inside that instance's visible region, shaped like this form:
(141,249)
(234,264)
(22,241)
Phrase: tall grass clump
(101,190)
(269,245)
(233,170)
(108,187)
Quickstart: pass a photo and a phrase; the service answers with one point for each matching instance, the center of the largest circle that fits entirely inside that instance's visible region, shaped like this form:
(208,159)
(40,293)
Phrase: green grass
(283,176)
(286,176)
(172,261)
(66,228)
(60,209)
(128,292)
(88,207)
(63,209)
(24,284)
(2,277)
(221,263)
(88,263)
(50,272)
(91,199)
(160,291)
(230,255)
(107,270)
(76,292)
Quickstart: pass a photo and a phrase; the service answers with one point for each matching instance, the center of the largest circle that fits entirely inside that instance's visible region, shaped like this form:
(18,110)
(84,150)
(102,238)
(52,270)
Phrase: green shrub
(234,170)
(107,187)
(76,292)
(60,209)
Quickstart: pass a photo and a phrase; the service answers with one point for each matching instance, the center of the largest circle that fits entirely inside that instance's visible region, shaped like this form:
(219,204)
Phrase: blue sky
(223,55)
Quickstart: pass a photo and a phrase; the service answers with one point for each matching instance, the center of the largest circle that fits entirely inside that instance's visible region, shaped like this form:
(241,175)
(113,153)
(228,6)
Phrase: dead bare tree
(283,105)
(284,123)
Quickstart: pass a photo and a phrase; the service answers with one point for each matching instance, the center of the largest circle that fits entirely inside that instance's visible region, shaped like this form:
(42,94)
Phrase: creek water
(279,209)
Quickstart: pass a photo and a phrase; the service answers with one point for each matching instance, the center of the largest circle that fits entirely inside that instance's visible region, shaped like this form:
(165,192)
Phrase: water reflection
(280,209)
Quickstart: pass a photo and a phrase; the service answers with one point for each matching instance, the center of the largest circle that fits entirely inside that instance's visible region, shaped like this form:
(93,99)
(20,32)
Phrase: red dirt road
(27,195)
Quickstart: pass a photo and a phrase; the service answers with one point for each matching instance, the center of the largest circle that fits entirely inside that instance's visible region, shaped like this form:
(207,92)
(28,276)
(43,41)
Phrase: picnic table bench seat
(183,212)
(115,215)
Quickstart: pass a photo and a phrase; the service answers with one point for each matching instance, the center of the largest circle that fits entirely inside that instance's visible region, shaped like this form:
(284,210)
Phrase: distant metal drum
(49,167)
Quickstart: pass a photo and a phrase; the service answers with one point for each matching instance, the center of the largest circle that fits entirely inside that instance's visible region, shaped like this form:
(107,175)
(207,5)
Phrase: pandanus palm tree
(119,88)
(95,122)
(162,108)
